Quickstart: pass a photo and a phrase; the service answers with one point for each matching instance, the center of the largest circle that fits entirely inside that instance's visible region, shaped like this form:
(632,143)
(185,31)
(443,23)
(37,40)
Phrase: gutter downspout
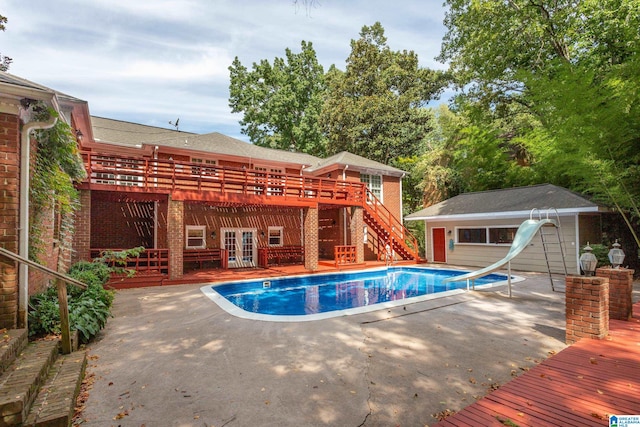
(23,227)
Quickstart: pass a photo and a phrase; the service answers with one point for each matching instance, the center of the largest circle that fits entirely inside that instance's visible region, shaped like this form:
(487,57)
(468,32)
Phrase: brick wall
(357,232)
(9,206)
(330,225)
(48,252)
(162,238)
(311,238)
(82,229)
(620,291)
(121,224)
(175,237)
(391,195)
(587,307)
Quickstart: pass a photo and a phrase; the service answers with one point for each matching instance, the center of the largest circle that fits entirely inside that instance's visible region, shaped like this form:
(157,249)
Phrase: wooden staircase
(389,230)
(38,387)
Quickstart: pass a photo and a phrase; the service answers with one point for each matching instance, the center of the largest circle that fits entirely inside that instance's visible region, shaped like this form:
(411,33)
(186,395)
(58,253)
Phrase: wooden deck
(580,386)
(229,186)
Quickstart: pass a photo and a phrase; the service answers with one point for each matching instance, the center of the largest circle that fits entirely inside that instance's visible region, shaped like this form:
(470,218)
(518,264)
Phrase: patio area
(172,357)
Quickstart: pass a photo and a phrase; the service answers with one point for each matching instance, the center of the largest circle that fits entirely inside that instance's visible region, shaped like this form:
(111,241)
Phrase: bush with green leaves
(89,308)
(602,254)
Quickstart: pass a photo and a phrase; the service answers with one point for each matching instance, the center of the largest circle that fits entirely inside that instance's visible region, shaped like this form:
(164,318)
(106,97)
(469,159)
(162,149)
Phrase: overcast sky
(152,62)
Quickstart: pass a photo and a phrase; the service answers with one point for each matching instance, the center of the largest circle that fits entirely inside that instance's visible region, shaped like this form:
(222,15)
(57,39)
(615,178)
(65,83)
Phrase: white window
(207,168)
(272,177)
(374,184)
(195,237)
(486,235)
(118,171)
(275,235)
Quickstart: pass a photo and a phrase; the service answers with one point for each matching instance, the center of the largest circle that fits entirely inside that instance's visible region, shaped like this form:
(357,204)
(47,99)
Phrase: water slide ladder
(523,238)
(552,243)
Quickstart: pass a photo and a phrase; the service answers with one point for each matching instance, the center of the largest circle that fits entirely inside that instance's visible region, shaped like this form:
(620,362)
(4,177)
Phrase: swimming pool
(321,296)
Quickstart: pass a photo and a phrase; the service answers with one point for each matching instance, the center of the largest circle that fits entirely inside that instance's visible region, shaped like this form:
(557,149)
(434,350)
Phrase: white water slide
(525,234)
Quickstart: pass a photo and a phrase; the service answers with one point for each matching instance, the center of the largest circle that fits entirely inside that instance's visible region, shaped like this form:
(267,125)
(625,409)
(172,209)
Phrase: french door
(241,246)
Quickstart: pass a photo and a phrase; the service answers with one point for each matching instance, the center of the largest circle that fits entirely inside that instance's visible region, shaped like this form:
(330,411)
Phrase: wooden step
(20,382)
(55,403)
(12,342)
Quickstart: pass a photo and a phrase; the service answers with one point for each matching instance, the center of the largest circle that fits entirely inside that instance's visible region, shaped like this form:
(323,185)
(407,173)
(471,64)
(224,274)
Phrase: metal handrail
(62,294)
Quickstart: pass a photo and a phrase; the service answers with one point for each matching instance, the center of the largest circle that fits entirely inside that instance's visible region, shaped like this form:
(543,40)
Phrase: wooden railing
(149,261)
(205,255)
(190,179)
(344,254)
(63,306)
(151,175)
(278,255)
(389,229)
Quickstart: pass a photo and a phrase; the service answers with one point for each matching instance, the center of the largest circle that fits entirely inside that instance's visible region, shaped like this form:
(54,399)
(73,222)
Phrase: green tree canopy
(5,61)
(571,66)
(376,107)
(281,102)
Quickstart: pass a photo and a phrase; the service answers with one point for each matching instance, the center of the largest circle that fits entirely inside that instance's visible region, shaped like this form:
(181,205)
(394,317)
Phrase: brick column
(175,237)
(9,207)
(587,307)
(357,232)
(311,230)
(82,229)
(620,291)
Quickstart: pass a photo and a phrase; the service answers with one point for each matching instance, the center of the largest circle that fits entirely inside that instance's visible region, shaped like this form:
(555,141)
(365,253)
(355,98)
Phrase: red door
(439,245)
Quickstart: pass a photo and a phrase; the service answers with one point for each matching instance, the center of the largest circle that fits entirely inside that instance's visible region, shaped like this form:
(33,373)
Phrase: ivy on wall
(56,165)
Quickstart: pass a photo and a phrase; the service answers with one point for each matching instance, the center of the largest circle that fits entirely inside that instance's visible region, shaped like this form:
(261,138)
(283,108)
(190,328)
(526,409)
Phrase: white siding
(530,259)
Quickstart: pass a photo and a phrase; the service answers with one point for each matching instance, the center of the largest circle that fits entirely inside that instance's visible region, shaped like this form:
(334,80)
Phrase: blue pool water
(328,293)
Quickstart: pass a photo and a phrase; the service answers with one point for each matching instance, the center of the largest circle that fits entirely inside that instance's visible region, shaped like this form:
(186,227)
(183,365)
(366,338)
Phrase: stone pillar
(9,207)
(311,231)
(175,237)
(357,232)
(587,307)
(82,229)
(620,291)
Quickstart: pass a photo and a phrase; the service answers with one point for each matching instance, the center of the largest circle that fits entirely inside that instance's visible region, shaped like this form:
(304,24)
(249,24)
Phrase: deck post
(587,307)
(64,317)
(620,291)
(82,228)
(357,232)
(311,236)
(175,237)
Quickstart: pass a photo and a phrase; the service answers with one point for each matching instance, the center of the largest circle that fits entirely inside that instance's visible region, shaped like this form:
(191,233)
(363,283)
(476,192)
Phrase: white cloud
(162,59)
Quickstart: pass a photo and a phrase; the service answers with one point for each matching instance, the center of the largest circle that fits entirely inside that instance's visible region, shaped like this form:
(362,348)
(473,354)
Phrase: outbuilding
(477,229)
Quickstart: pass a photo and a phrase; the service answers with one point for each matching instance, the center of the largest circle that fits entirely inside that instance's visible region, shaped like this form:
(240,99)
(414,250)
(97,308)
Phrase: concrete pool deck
(171,357)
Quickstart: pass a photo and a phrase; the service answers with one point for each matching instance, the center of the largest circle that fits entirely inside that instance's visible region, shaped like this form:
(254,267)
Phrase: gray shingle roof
(218,143)
(346,158)
(127,133)
(132,134)
(520,199)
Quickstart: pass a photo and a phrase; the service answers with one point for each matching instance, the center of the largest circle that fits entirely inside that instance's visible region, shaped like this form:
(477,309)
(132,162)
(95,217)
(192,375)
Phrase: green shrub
(602,254)
(89,308)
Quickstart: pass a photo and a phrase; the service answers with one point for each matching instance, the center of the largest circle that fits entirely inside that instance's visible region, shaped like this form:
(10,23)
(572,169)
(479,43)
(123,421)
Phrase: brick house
(190,199)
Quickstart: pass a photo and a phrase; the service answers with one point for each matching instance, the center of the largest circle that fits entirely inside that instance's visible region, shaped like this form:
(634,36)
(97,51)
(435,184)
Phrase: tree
(5,61)
(571,65)
(376,107)
(281,102)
